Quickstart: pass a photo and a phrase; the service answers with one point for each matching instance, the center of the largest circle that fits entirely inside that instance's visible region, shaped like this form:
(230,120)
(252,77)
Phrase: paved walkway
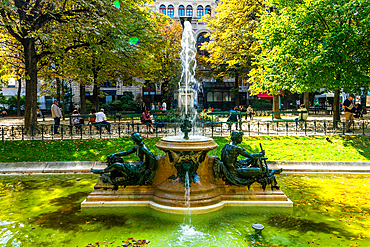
(260,126)
(85,167)
(49,120)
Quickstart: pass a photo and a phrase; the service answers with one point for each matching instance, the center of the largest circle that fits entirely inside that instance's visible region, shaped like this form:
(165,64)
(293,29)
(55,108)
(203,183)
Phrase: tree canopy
(164,64)
(306,45)
(232,36)
(54,28)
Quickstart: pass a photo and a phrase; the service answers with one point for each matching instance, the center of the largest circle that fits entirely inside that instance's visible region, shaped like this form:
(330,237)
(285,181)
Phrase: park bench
(98,126)
(80,116)
(132,125)
(120,113)
(282,112)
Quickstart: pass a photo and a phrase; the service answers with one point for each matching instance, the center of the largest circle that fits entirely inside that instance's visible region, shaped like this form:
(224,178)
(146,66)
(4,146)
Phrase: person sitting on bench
(146,118)
(302,116)
(101,119)
(77,121)
(358,111)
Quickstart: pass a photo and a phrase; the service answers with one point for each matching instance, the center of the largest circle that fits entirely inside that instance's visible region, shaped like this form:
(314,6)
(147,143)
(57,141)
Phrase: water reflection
(45,211)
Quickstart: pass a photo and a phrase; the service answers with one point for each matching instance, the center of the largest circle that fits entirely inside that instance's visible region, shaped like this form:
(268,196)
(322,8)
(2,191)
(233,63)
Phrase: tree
(114,57)
(44,28)
(307,45)
(13,66)
(232,40)
(164,64)
(2,98)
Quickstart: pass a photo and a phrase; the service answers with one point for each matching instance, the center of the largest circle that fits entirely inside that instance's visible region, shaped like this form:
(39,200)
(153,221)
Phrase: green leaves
(232,42)
(305,44)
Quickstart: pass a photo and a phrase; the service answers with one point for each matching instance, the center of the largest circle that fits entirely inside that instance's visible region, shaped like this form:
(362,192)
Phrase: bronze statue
(186,127)
(120,173)
(243,172)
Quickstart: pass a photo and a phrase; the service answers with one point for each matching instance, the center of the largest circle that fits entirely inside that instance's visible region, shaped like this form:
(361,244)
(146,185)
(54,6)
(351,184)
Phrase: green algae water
(44,210)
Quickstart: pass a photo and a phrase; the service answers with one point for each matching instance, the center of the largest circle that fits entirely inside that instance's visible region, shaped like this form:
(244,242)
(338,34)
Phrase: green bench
(282,112)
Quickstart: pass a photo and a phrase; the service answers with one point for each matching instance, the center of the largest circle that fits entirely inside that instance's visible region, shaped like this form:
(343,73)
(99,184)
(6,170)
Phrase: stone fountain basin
(194,143)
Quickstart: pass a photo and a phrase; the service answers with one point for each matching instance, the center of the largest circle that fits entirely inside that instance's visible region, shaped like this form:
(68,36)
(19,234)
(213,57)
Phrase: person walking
(249,113)
(349,109)
(241,109)
(143,107)
(158,106)
(56,114)
(164,106)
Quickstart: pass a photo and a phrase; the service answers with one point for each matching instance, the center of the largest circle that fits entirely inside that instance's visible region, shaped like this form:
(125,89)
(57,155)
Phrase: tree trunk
(63,101)
(237,100)
(19,97)
(275,106)
(95,97)
(82,99)
(336,112)
(306,99)
(30,108)
(58,88)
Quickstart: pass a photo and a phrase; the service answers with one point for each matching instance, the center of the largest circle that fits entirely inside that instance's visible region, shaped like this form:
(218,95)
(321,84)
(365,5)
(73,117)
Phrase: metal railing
(210,129)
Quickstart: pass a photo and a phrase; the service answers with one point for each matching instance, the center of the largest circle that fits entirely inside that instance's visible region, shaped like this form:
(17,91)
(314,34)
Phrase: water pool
(44,210)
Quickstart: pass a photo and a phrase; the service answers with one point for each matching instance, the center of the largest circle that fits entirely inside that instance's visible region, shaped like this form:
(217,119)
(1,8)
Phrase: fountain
(187,179)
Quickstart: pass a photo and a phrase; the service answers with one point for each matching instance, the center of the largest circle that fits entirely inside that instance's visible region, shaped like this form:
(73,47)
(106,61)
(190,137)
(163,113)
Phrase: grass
(314,148)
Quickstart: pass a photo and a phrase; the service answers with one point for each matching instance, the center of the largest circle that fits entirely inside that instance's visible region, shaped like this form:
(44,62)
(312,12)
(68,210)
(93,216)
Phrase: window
(232,96)
(209,97)
(170,11)
(189,11)
(107,84)
(200,11)
(226,97)
(218,97)
(181,11)
(208,10)
(200,40)
(162,9)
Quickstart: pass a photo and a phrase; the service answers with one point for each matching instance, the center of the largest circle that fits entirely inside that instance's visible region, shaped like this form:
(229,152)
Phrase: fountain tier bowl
(194,143)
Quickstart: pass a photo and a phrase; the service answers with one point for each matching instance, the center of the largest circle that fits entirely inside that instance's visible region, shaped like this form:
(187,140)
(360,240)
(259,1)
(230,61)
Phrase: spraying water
(188,85)
(187,192)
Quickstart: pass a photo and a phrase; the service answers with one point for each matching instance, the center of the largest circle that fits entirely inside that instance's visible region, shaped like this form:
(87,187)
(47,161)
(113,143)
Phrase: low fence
(211,129)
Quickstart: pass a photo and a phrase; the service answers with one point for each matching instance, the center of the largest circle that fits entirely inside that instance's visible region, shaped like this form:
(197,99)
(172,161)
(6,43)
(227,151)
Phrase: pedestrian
(152,106)
(164,105)
(76,107)
(142,107)
(349,109)
(138,107)
(159,106)
(56,114)
(241,109)
(249,113)
(101,118)
(233,118)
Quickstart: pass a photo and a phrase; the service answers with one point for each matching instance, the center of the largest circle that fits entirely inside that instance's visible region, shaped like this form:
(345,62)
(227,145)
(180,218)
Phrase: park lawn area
(291,148)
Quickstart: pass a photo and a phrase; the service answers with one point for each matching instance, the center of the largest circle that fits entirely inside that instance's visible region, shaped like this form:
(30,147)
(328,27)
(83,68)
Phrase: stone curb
(85,166)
